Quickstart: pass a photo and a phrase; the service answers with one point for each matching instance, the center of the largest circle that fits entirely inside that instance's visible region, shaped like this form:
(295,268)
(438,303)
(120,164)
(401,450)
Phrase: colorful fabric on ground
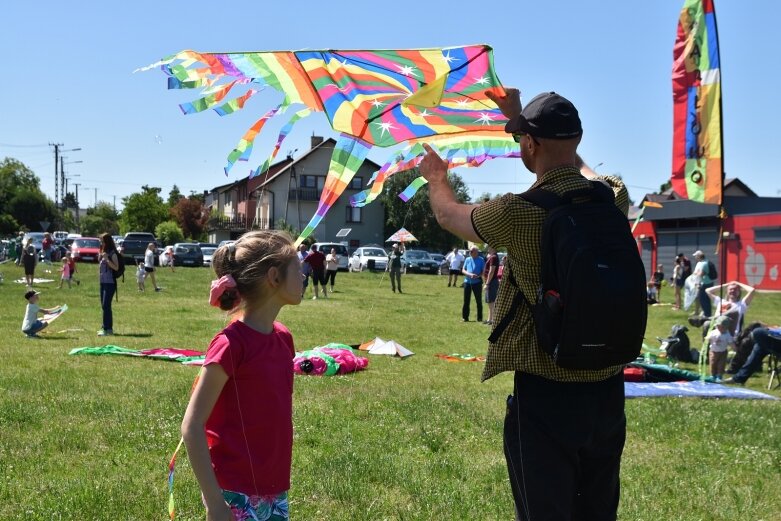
(691,390)
(185,356)
(457,357)
(329,360)
(377,98)
(697,140)
(257,508)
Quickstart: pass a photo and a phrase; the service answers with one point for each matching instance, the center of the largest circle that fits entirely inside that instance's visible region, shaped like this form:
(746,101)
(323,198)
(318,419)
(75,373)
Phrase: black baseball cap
(31,293)
(548,115)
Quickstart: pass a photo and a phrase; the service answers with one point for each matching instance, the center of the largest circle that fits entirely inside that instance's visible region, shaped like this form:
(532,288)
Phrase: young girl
(238,426)
(66,273)
(149,264)
(140,275)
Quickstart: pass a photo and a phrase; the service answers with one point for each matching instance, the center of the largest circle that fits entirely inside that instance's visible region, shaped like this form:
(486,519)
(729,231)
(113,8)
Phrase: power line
(22,146)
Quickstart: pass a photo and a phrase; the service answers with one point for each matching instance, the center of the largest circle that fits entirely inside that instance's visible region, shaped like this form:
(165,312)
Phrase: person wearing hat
(719,339)
(31,325)
(564,430)
(394,265)
(702,270)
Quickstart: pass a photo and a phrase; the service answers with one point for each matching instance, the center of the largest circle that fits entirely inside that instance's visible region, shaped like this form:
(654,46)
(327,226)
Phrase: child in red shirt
(238,427)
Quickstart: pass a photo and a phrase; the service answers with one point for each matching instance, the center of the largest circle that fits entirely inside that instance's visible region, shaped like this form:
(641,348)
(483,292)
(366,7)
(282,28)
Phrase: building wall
(298,213)
(750,250)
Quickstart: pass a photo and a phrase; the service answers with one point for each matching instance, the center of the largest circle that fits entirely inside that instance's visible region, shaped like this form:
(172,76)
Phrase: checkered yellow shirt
(514,223)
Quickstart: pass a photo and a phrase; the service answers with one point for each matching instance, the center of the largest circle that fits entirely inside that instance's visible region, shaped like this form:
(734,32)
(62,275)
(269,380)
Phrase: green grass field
(89,438)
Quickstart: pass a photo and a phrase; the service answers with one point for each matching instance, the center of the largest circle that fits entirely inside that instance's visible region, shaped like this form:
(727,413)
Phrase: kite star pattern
(372,98)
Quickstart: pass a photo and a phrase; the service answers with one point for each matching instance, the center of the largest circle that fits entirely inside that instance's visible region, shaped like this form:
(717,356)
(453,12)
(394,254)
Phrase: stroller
(677,345)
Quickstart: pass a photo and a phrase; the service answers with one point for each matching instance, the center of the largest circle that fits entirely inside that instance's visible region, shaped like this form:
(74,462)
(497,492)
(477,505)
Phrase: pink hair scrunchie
(218,288)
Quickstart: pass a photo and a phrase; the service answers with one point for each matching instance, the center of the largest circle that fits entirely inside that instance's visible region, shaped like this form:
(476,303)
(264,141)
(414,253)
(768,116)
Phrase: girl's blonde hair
(248,261)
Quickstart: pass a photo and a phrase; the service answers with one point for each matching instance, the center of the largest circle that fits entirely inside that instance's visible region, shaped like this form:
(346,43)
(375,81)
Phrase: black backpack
(590,311)
(678,346)
(119,272)
(712,273)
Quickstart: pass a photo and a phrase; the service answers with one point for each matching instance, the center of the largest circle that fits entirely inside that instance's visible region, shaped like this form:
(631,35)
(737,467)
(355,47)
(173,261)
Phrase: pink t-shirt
(66,270)
(250,429)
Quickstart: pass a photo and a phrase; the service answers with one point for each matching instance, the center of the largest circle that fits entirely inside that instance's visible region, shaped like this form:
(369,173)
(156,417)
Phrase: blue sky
(68,78)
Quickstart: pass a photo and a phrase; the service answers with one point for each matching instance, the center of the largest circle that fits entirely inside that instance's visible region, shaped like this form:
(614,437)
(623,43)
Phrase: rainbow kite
(372,98)
(697,140)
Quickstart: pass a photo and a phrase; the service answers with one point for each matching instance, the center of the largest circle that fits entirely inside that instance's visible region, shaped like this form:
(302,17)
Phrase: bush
(168,232)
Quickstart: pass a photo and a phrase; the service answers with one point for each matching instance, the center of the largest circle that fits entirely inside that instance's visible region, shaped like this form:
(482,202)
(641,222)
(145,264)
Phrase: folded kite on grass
(185,356)
(457,357)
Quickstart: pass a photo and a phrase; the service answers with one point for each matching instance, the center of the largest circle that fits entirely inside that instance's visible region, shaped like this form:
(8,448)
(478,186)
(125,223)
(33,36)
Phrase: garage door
(670,244)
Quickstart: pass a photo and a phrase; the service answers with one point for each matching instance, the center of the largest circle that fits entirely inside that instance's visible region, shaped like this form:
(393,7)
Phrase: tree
(143,211)
(16,178)
(416,214)
(104,211)
(95,225)
(30,208)
(168,232)
(173,196)
(191,217)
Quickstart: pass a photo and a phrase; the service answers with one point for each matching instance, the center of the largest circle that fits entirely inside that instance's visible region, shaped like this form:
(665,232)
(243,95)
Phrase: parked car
(86,249)
(368,257)
(208,252)
(419,261)
(444,267)
(341,251)
(187,254)
(134,245)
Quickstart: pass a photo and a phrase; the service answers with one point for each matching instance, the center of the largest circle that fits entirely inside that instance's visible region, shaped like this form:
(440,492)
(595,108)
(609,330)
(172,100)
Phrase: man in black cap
(564,430)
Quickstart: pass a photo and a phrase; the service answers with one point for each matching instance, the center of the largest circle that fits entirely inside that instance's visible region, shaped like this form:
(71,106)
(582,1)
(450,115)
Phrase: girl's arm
(202,401)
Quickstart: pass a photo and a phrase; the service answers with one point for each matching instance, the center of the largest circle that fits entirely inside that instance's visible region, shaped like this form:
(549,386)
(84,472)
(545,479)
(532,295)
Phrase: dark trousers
(330,275)
(395,276)
(563,444)
(764,344)
(704,299)
(469,290)
(107,291)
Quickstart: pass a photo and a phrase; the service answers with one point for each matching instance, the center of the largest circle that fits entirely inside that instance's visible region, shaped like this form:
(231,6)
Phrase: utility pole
(56,174)
(78,226)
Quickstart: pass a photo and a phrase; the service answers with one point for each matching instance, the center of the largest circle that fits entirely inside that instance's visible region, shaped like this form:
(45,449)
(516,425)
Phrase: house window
(313,181)
(353,215)
(356,183)
(227,198)
(767,234)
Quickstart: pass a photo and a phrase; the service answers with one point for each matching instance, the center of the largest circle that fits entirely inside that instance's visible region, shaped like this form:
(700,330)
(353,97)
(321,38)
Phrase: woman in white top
(733,306)
(149,264)
(331,267)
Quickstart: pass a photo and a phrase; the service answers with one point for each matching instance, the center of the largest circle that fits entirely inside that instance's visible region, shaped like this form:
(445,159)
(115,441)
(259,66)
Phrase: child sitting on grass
(31,324)
(238,427)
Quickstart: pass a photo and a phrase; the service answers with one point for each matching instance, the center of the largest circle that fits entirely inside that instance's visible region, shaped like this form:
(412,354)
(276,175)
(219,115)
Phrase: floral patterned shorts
(257,508)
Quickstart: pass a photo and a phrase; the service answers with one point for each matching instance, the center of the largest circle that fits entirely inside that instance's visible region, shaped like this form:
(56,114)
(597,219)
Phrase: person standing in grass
(72,267)
(109,263)
(331,267)
(238,427)
(491,282)
(394,266)
(29,261)
(149,264)
(564,429)
(65,273)
(316,261)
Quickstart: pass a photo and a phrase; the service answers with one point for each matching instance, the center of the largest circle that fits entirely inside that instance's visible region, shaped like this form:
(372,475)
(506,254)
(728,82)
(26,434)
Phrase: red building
(745,244)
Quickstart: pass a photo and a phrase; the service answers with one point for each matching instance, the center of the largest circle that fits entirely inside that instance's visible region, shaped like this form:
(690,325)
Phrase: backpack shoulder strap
(543,198)
(518,299)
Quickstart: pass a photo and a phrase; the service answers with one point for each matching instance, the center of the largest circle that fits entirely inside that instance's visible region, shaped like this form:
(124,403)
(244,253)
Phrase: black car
(187,254)
(419,261)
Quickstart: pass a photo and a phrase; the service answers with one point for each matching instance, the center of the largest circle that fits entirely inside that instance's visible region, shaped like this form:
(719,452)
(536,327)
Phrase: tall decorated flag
(697,170)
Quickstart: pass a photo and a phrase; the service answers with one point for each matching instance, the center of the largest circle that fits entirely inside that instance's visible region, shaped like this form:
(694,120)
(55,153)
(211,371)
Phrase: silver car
(368,257)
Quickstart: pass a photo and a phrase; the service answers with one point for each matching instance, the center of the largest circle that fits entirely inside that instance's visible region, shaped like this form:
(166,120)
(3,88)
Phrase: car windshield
(208,250)
(341,249)
(417,255)
(374,252)
(187,248)
(86,243)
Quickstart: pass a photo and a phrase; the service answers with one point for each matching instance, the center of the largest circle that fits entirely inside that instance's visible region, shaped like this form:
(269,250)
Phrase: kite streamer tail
(347,158)
(244,147)
(262,169)
(412,189)
(171,467)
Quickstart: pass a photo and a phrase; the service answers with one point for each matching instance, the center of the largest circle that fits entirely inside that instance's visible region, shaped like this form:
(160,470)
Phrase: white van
(341,251)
